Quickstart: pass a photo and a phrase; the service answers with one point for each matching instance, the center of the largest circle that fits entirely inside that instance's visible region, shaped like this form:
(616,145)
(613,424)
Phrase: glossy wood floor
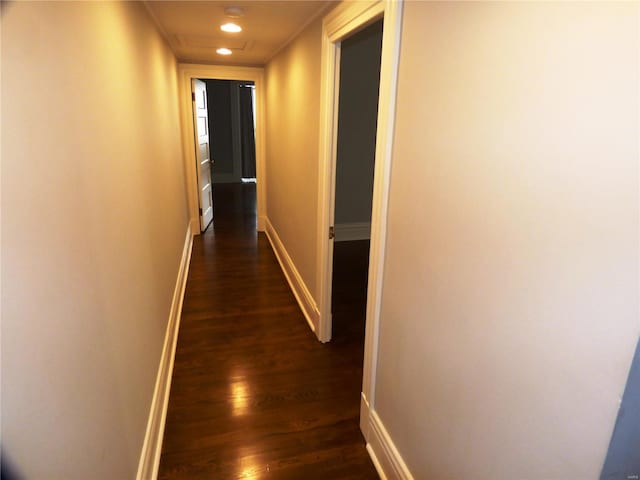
(254,394)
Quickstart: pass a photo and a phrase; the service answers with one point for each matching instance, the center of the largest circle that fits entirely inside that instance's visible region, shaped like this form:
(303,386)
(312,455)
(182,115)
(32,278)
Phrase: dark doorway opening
(355,162)
(232,123)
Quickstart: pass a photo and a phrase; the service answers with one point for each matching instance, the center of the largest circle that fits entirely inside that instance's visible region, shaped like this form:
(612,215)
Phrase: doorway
(340,24)
(359,82)
(231,120)
(243,78)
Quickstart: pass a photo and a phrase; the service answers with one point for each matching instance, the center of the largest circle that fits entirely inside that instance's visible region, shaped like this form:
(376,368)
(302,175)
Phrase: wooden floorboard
(254,395)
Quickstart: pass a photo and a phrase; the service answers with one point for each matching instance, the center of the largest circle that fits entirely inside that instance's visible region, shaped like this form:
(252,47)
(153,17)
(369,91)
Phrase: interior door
(203,158)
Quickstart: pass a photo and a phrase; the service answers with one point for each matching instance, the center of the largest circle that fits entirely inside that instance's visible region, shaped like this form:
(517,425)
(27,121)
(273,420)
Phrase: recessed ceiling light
(231,28)
(234,12)
(223,51)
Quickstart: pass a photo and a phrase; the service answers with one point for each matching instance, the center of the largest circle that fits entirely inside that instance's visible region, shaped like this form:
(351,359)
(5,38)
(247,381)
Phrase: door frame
(187,71)
(346,19)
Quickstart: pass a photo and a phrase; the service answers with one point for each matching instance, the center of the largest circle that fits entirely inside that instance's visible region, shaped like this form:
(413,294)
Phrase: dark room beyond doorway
(232,120)
(231,111)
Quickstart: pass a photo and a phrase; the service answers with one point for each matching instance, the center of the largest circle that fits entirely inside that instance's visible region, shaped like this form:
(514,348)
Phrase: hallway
(254,394)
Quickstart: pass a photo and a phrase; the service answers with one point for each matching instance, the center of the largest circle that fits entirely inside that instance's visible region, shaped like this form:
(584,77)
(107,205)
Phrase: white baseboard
(298,287)
(383,452)
(261,223)
(352,231)
(364,416)
(195,226)
(152,446)
(376,463)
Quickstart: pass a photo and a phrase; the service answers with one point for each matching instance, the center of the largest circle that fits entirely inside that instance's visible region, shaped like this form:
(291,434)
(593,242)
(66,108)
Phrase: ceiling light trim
(234,12)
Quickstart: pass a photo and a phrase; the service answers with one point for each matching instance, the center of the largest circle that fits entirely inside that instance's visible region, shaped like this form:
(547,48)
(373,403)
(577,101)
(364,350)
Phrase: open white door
(203,158)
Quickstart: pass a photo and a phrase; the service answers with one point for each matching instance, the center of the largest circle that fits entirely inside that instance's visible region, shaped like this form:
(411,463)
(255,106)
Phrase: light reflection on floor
(249,466)
(240,392)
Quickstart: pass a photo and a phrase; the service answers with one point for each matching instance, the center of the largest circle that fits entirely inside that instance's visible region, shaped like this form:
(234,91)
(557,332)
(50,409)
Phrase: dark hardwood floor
(254,394)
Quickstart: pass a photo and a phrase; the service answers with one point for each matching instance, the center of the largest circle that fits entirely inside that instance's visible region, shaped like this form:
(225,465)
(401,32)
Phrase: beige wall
(293,112)
(93,224)
(510,298)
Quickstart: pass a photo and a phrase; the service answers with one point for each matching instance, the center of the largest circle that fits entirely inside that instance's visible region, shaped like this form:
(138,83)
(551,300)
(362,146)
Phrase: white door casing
(186,73)
(344,20)
(202,151)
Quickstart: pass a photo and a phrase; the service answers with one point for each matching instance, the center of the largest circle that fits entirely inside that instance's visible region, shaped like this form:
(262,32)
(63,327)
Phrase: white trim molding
(298,287)
(152,445)
(187,71)
(384,454)
(364,415)
(346,19)
(384,147)
(346,232)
